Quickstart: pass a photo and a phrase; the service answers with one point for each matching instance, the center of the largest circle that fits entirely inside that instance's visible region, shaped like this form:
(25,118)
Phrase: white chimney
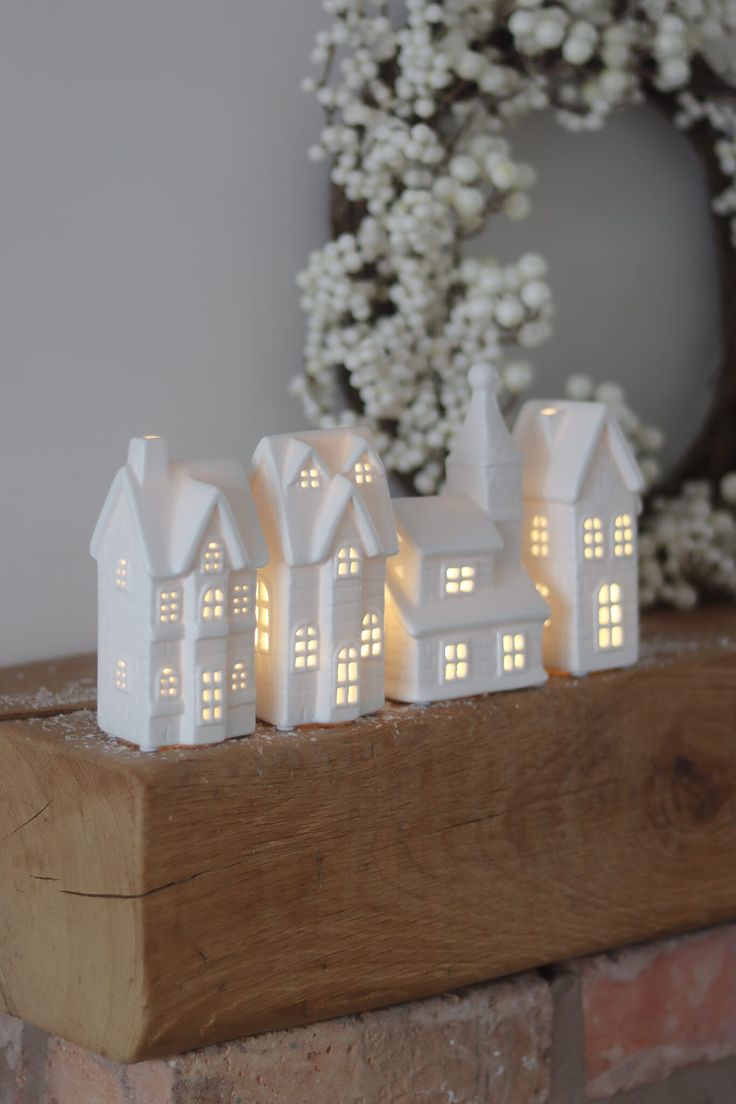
(149,458)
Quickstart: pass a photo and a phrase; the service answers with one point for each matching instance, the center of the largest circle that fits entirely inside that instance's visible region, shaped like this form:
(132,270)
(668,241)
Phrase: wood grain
(156,903)
(48,687)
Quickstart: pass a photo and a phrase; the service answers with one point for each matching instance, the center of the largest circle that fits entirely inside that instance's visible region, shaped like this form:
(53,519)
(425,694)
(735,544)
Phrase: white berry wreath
(419,104)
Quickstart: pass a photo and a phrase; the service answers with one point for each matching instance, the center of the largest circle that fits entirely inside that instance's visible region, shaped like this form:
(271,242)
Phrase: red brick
(655,1009)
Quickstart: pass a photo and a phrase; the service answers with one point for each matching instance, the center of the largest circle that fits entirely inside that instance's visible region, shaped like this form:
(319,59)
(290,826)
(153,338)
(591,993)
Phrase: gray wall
(155,204)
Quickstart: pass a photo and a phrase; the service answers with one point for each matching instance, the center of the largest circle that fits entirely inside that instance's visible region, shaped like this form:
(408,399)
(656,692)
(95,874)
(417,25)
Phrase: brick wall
(654,1024)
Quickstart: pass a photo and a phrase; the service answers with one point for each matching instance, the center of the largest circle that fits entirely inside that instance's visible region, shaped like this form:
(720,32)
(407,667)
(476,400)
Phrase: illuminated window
(239,677)
(309,478)
(459,580)
(540,536)
(363,471)
(348,561)
(263,618)
(346,690)
(121,574)
(305,648)
(169,606)
(623,535)
(211,696)
(213,604)
(544,591)
(213,558)
(456,661)
(168,683)
(240,599)
(371,636)
(593,538)
(549,411)
(610,616)
(121,675)
(514,652)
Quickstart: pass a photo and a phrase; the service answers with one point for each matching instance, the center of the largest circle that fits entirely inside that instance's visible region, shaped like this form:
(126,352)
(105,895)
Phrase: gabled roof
(559,439)
(512,600)
(445,524)
(172,509)
(305,520)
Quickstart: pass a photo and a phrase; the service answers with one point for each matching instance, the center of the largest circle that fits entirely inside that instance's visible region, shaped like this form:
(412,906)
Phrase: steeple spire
(484,462)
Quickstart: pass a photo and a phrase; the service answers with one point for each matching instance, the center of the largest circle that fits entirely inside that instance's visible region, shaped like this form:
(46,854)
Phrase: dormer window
(348,561)
(593,538)
(460,579)
(623,535)
(363,471)
(121,574)
(309,479)
(213,559)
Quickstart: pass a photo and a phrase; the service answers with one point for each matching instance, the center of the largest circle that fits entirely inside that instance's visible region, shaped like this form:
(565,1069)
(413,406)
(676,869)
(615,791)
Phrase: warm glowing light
(540,536)
(610,616)
(363,472)
(168,683)
(346,690)
(121,675)
(121,574)
(213,558)
(549,411)
(623,535)
(593,538)
(239,599)
(456,661)
(460,580)
(213,604)
(151,437)
(545,592)
(348,561)
(371,636)
(169,606)
(514,652)
(309,478)
(263,618)
(211,696)
(306,644)
(239,677)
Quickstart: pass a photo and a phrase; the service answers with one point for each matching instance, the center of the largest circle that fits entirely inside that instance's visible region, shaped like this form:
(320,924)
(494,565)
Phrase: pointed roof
(559,439)
(484,439)
(306,519)
(172,504)
(453,525)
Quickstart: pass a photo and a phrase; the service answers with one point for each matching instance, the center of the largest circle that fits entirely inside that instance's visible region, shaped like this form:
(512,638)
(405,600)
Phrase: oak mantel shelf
(154,903)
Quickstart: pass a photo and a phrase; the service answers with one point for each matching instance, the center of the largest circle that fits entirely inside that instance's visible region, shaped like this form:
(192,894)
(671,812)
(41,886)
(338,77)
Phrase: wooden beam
(154,903)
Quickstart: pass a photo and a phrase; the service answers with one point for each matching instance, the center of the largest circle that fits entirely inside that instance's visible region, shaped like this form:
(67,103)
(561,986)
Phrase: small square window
(623,535)
(460,579)
(363,472)
(513,652)
(309,478)
(169,606)
(593,538)
(168,684)
(455,661)
(348,561)
(239,677)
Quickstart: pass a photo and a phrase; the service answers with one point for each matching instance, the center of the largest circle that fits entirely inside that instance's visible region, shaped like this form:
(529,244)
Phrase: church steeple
(484,462)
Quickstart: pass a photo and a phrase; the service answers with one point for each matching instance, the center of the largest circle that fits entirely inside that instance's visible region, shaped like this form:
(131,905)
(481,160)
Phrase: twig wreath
(418,112)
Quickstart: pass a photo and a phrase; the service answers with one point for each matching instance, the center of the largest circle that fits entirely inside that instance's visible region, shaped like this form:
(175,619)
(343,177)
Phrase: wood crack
(149,892)
(27,822)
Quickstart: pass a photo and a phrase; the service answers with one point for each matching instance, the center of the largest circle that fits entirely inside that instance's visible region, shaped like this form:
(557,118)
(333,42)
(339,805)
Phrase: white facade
(177,547)
(581,500)
(326,512)
(462,615)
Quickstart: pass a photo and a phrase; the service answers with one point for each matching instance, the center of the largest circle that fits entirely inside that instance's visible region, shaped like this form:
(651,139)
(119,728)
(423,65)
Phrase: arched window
(348,561)
(121,675)
(213,604)
(168,683)
(371,636)
(239,677)
(306,645)
(346,689)
(213,559)
(610,616)
(263,617)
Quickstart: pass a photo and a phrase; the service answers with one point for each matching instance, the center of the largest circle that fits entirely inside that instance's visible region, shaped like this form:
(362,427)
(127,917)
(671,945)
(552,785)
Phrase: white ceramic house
(462,615)
(581,500)
(324,503)
(177,546)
